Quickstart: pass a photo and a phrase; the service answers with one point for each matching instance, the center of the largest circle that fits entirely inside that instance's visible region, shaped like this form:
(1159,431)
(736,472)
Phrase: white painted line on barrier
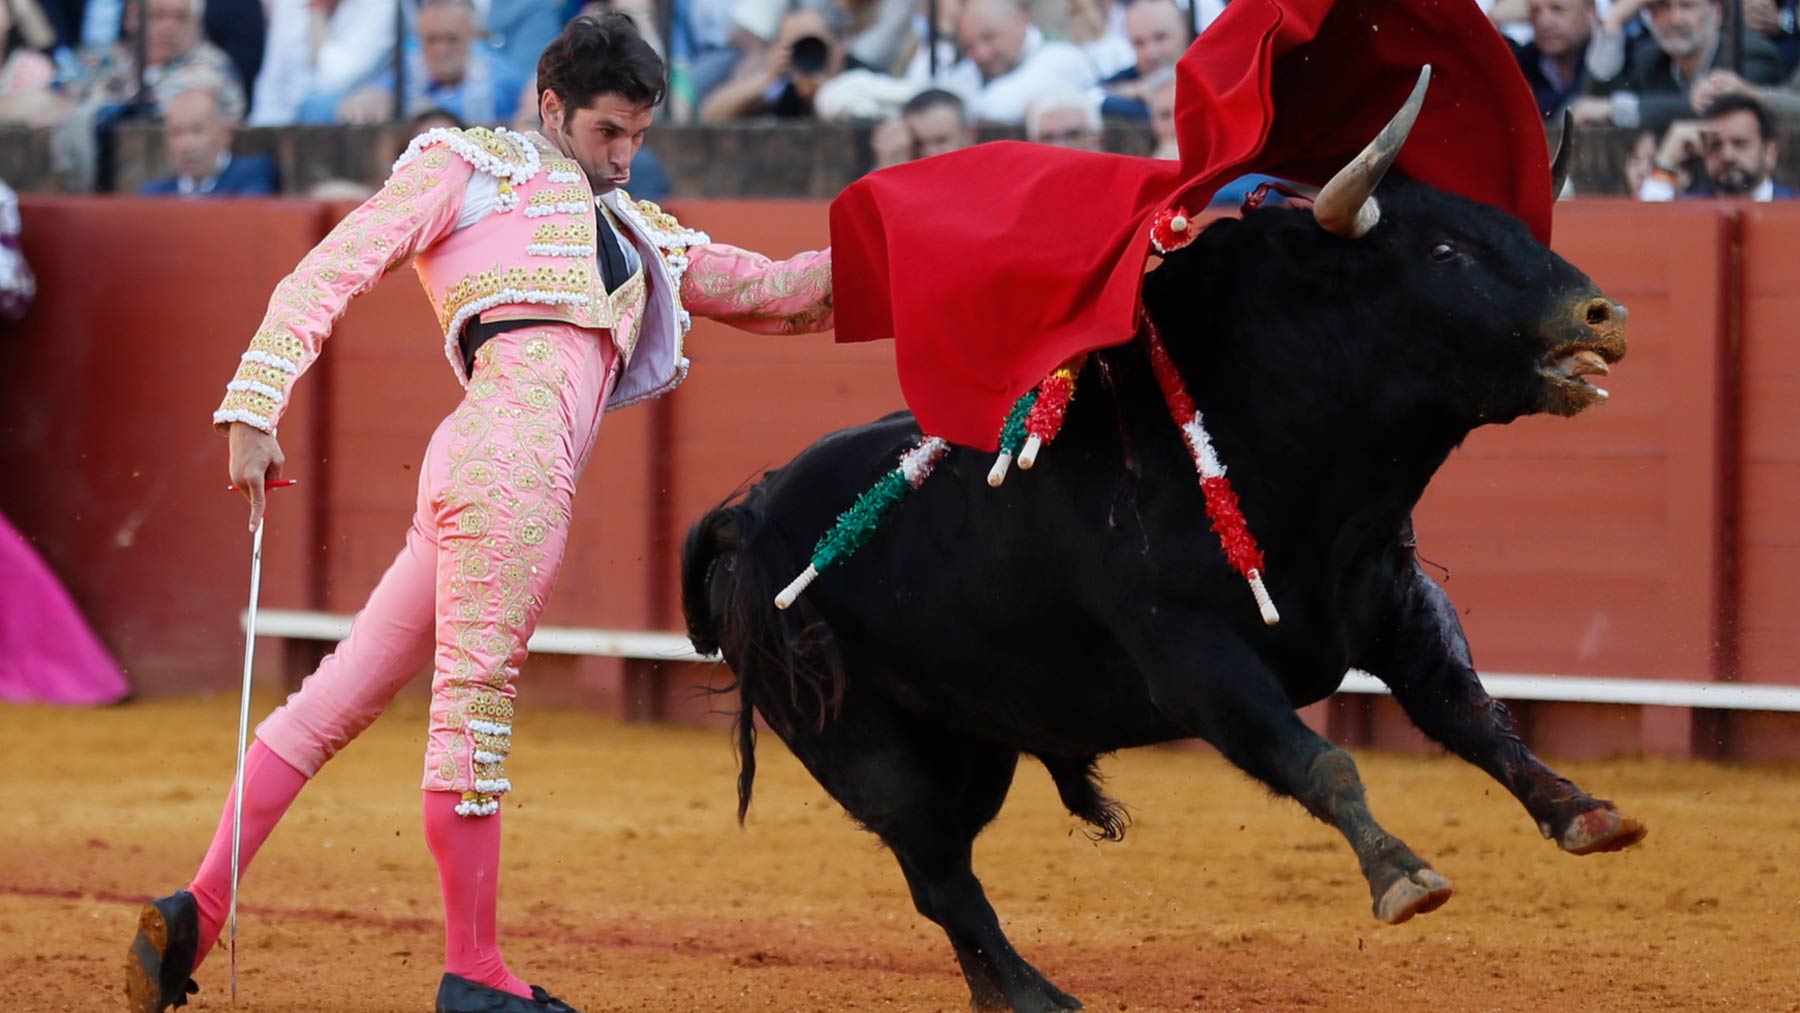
(652,646)
(1738,696)
(296,625)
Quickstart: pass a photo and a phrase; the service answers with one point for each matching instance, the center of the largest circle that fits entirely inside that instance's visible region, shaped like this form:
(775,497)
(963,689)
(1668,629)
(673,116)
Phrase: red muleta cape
(991,266)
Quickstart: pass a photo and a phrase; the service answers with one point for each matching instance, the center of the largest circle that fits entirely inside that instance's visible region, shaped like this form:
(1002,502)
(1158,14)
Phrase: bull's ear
(1565,151)
(1346,206)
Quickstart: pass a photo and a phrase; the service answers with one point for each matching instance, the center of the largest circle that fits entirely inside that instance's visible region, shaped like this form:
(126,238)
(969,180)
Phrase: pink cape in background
(48,653)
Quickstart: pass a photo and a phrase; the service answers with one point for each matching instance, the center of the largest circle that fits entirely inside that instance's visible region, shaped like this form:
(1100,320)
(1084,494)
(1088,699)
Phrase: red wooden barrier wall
(1650,538)
(107,389)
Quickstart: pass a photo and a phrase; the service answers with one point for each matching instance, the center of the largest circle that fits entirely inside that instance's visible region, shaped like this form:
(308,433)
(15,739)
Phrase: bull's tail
(708,542)
(713,544)
(785,662)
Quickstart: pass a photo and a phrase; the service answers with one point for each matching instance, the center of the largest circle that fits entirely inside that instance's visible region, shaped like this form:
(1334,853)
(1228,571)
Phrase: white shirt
(1045,68)
(1109,54)
(359,41)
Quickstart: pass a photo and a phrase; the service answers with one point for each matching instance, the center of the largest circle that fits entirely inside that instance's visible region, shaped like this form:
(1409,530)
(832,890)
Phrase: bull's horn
(1565,149)
(1346,207)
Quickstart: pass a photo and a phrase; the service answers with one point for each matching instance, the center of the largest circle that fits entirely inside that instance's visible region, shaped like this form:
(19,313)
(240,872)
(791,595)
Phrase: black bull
(1085,606)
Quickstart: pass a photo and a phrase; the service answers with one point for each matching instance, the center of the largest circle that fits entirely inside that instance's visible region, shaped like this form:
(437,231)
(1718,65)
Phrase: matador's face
(602,136)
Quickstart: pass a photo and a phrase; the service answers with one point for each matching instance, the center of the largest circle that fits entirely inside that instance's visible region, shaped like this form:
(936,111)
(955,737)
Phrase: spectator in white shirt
(1009,63)
(319,52)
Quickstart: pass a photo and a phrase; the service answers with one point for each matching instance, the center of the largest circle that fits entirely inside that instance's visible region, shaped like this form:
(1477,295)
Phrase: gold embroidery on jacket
(552,196)
(358,248)
(578,280)
(574,233)
(755,295)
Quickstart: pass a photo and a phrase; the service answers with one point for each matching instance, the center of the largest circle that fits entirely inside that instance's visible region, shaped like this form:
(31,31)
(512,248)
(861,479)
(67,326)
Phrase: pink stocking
(270,786)
(467,850)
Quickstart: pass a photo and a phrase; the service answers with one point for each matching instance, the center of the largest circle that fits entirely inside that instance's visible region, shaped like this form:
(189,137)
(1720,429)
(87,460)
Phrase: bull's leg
(927,794)
(1211,683)
(1424,658)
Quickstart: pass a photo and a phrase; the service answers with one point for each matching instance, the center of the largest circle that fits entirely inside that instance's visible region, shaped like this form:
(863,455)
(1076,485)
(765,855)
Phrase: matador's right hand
(255,459)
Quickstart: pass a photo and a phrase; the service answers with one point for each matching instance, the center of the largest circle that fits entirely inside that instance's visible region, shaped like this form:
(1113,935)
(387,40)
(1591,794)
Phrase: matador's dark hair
(600,54)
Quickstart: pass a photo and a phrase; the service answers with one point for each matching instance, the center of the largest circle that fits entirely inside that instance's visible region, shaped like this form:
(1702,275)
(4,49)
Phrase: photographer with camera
(782,81)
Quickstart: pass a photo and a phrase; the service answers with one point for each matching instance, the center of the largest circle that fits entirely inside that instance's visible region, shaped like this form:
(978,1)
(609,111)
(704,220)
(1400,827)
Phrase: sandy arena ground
(628,887)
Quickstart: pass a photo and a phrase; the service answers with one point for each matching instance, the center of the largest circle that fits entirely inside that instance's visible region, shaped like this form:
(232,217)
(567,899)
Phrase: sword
(237,811)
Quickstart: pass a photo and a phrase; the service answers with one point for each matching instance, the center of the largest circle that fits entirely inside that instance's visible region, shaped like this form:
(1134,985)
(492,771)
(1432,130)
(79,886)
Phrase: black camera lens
(809,54)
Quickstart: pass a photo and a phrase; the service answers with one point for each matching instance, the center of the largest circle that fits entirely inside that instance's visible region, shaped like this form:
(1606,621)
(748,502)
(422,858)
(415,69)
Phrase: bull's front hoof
(1418,893)
(1600,830)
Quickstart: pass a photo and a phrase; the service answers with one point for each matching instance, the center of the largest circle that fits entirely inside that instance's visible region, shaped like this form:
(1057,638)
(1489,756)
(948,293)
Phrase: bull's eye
(1442,252)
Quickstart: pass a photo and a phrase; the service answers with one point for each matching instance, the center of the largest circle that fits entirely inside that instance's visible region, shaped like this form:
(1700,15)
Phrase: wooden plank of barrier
(1767,556)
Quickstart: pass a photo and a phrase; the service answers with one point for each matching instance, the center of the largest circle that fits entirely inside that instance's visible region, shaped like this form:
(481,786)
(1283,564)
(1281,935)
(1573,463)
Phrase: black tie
(612,256)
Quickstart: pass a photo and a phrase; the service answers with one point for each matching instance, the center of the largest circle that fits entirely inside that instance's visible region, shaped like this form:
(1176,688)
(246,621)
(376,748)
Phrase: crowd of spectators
(1704,95)
(1057,69)
(1061,69)
(203,68)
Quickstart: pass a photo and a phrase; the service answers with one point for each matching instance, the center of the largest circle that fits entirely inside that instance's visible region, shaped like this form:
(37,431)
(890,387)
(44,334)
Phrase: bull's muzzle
(1596,329)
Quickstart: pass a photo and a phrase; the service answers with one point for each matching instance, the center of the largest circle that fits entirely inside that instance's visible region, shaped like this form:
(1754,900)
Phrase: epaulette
(507,156)
(661,226)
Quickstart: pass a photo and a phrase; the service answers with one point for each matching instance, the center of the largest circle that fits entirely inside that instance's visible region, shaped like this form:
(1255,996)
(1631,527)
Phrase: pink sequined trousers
(480,560)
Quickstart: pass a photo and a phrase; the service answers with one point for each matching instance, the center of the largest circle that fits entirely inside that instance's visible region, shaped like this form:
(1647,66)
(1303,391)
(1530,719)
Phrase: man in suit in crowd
(199,120)
(1555,61)
(1735,139)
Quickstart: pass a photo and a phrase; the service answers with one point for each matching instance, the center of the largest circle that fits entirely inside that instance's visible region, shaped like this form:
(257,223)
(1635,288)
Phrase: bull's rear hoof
(1036,1004)
(1048,999)
(1600,830)
(1422,891)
